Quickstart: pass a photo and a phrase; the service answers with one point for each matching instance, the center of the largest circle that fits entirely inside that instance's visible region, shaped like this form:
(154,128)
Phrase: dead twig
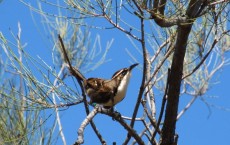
(89,118)
(162,106)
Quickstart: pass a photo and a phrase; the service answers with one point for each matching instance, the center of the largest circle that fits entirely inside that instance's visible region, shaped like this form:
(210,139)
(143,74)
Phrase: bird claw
(116,115)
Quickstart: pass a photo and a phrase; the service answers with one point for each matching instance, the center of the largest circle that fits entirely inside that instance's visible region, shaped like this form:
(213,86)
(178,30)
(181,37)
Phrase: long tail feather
(74,71)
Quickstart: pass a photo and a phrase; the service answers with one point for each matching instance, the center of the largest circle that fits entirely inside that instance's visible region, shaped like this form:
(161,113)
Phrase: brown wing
(100,91)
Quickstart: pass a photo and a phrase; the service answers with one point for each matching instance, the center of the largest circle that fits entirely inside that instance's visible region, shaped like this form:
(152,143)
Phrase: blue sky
(198,126)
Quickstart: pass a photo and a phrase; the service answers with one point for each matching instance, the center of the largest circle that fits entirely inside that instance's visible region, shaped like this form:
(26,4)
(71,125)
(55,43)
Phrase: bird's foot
(117,115)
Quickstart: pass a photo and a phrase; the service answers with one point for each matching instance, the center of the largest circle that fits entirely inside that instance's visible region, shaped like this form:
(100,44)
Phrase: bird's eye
(124,73)
(89,85)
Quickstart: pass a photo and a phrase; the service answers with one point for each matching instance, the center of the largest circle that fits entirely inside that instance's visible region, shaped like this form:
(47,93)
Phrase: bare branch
(142,88)
(202,61)
(117,117)
(186,107)
(153,122)
(120,28)
(215,41)
(162,105)
(168,129)
(217,2)
(56,109)
(89,118)
(167,22)
(130,130)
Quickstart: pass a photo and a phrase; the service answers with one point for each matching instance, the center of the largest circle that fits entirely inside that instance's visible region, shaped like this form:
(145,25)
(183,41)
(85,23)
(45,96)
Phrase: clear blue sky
(196,127)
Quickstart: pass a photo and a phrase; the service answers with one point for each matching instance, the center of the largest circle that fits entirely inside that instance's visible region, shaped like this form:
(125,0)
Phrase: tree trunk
(169,126)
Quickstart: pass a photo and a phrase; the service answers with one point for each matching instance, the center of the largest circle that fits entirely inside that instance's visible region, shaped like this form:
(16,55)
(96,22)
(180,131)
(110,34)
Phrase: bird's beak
(132,66)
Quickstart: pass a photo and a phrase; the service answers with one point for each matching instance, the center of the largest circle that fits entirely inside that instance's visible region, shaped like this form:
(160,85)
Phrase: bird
(105,92)
(109,92)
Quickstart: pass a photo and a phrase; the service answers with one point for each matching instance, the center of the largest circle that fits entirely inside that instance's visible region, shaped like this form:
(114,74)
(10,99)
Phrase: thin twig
(217,2)
(120,28)
(202,61)
(161,47)
(162,105)
(160,65)
(129,118)
(64,105)
(142,87)
(89,118)
(150,95)
(216,40)
(153,122)
(56,109)
(147,125)
(187,107)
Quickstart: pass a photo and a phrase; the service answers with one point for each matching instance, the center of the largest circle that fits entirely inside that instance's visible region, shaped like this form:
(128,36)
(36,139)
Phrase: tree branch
(202,61)
(162,106)
(89,118)
(115,115)
(157,13)
(142,88)
(130,129)
(169,126)
(162,21)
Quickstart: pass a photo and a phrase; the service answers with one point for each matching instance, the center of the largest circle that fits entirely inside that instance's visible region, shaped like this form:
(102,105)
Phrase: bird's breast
(121,92)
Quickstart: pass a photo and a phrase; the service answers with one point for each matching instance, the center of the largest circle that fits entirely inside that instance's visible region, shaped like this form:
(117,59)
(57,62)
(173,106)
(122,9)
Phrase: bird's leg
(115,113)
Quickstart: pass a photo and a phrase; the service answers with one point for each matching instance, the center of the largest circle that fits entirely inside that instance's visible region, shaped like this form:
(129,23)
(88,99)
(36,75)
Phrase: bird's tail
(74,71)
